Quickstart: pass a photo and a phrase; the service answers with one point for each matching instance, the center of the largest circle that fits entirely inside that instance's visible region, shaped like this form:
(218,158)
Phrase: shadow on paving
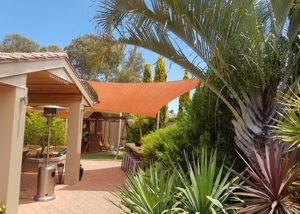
(107,179)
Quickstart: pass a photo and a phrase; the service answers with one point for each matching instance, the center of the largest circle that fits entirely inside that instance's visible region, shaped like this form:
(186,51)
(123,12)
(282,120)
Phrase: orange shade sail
(139,98)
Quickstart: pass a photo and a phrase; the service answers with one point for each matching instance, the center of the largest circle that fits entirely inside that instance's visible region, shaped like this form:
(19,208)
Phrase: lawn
(101,156)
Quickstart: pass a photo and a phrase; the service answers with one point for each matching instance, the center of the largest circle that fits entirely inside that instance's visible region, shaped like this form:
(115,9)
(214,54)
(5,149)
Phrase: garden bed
(32,164)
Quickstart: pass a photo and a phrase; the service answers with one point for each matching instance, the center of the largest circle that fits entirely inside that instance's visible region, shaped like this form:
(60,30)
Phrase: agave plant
(149,192)
(272,184)
(204,190)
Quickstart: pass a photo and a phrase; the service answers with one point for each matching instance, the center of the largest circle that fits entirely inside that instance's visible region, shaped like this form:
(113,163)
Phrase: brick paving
(93,195)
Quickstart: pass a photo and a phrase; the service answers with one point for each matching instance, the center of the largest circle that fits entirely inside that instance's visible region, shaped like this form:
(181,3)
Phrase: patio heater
(46,173)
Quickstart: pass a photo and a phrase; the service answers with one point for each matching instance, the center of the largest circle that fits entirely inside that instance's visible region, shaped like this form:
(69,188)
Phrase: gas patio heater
(46,173)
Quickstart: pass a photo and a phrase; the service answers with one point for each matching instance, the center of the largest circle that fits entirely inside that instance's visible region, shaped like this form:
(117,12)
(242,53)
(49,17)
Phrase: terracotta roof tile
(8,57)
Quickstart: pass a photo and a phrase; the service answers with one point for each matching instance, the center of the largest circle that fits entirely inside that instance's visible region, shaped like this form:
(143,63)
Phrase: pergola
(36,79)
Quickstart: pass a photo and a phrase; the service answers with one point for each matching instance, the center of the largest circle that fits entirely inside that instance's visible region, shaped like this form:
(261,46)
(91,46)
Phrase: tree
(51,48)
(251,54)
(184,100)
(36,132)
(17,43)
(160,71)
(147,76)
(161,76)
(95,58)
(132,67)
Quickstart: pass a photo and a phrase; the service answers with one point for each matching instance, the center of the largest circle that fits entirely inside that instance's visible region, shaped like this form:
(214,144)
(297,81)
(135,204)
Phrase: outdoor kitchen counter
(137,150)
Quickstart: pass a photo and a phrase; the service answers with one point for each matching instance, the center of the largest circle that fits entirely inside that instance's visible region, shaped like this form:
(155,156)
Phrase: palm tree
(252,46)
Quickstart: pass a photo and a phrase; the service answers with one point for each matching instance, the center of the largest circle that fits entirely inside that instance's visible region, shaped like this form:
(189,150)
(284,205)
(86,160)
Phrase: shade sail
(139,98)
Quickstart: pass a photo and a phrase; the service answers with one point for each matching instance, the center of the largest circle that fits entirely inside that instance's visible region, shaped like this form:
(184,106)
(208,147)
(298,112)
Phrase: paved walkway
(90,196)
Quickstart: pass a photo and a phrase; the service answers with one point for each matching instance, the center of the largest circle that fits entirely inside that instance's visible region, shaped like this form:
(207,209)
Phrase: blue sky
(58,22)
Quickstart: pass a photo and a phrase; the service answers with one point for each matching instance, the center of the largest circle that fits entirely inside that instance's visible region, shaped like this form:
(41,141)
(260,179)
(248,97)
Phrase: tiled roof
(8,57)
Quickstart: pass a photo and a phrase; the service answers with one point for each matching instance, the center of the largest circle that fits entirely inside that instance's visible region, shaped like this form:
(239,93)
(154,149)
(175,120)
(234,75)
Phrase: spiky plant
(272,183)
(206,187)
(149,192)
(288,128)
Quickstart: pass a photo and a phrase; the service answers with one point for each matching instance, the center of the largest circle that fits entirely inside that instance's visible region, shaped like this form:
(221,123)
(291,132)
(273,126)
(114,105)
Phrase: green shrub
(165,145)
(207,122)
(141,126)
(35,129)
(58,136)
(36,132)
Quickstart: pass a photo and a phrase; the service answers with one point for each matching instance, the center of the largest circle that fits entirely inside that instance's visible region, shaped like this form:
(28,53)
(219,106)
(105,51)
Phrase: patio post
(74,135)
(157,120)
(119,136)
(12,113)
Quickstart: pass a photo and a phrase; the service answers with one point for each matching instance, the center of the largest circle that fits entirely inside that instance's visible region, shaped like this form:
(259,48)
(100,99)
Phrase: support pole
(119,136)
(12,122)
(49,121)
(74,143)
(157,123)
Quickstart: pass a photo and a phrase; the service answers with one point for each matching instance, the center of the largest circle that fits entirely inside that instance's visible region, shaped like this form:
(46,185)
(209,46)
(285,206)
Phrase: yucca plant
(206,187)
(272,183)
(149,192)
(288,128)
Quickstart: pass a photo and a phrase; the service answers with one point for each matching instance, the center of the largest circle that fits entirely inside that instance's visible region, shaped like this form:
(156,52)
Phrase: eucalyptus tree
(18,43)
(252,46)
(95,58)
